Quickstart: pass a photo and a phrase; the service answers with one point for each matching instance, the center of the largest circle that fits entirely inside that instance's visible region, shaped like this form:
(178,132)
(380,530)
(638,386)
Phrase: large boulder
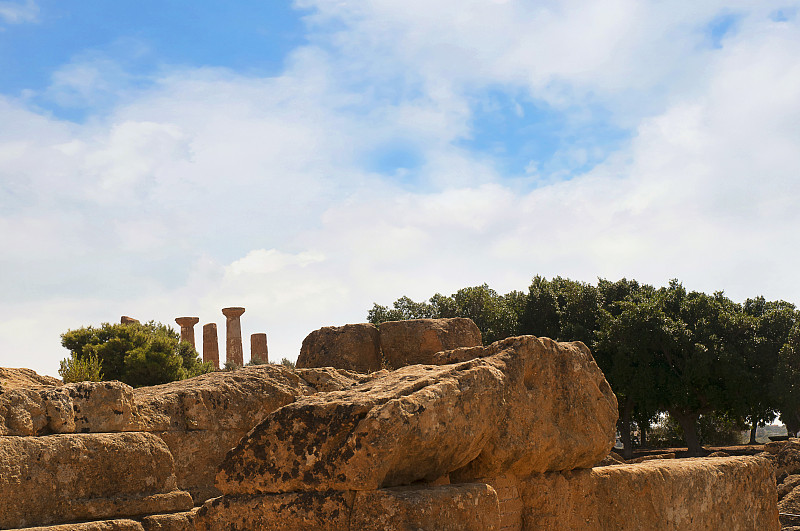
(354,347)
(63,478)
(416,423)
(530,405)
(415,341)
(202,418)
(559,413)
(15,378)
(86,407)
(673,494)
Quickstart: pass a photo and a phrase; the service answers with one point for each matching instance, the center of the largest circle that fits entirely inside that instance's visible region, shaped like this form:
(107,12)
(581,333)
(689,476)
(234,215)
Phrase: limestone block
(320,511)
(464,507)
(788,485)
(197,455)
(101,525)
(101,407)
(327,379)
(58,478)
(354,347)
(98,407)
(508,499)
(416,423)
(531,405)
(170,522)
(228,400)
(559,414)
(665,495)
(15,378)
(23,412)
(417,340)
(785,457)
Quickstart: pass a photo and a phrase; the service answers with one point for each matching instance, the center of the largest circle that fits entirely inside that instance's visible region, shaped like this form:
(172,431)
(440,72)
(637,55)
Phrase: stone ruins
(233,335)
(234,351)
(412,425)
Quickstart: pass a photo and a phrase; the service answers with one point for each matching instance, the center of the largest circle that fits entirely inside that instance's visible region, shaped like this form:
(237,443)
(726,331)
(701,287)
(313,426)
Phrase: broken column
(258,348)
(234,353)
(127,320)
(210,345)
(187,328)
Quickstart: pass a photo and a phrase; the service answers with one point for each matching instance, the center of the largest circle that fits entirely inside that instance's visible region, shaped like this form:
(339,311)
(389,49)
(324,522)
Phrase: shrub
(137,354)
(75,369)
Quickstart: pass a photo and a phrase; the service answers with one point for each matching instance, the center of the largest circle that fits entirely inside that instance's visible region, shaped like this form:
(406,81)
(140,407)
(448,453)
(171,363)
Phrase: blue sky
(306,159)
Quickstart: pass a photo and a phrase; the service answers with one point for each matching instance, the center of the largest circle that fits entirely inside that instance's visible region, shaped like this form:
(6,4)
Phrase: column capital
(187,321)
(232,312)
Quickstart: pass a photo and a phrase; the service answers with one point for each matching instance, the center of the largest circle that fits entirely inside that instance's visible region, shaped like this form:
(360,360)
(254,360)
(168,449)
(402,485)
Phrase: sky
(307,159)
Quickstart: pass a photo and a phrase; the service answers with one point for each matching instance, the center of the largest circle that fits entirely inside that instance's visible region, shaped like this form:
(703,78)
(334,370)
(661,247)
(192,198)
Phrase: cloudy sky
(306,159)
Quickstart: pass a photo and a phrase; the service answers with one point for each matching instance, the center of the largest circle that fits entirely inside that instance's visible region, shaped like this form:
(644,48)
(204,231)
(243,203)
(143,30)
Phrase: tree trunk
(624,425)
(644,427)
(753,429)
(688,422)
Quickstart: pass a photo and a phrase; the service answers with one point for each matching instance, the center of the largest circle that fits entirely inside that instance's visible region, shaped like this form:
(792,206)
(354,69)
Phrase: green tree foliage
(75,369)
(786,385)
(698,357)
(497,316)
(137,354)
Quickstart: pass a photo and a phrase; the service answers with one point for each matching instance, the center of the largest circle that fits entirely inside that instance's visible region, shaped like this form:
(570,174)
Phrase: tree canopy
(137,354)
(664,350)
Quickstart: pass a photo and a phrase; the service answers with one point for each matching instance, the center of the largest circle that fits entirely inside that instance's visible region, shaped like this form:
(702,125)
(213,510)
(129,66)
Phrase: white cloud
(17,13)
(211,189)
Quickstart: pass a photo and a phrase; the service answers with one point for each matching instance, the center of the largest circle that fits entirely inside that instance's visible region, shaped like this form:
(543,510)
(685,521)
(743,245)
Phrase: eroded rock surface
(416,423)
(354,347)
(202,418)
(15,378)
(416,341)
(464,507)
(67,477)
(322,511)
(529,405)
(86,407)
(673,494)
(559,414)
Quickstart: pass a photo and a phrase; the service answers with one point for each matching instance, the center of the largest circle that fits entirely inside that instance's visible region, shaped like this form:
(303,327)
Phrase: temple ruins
(439,433)
(234,353)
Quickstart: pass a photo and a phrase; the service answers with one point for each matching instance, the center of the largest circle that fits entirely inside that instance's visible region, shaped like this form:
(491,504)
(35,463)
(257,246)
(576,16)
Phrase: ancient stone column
(210,345)
(187,328)
(258,348)
(127,320)
(234,353)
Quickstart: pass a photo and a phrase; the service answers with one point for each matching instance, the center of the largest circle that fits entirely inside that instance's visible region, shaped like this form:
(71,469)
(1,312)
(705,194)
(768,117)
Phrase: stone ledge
(680,495)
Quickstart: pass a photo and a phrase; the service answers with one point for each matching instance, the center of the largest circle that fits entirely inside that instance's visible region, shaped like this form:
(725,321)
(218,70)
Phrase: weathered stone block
(320,511)
(197,455)
(228,400)
(559,411)
(97,407)
(417,340)
(58,478)
(531,405)
(464,507)
(184,521)
(673,495)
(15,378)
(101,407)
(102,525)
(354,347)
(416,423)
